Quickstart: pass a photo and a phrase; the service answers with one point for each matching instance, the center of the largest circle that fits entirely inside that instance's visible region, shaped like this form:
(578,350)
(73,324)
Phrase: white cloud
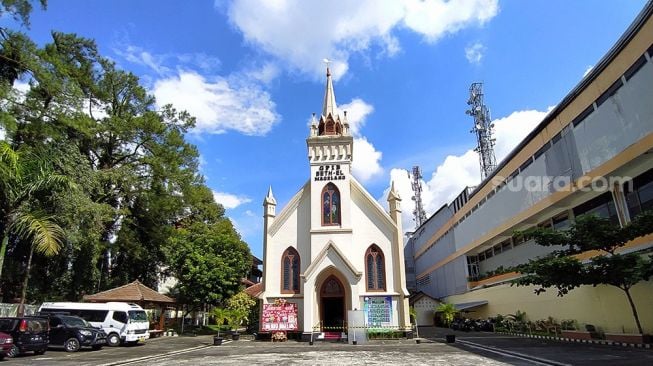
(164,64)
(265,73)
(301,32)
(459,171)
(474,53)
(220,104)
(366,163)
(357,112)
(367,160)
(228,200)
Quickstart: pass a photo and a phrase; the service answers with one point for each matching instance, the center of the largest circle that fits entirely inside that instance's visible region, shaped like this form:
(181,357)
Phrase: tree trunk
(21,306)
(632,306)
(3,249)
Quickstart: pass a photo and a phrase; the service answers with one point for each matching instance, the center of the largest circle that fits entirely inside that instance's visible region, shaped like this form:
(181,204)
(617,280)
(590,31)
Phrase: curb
(575,340)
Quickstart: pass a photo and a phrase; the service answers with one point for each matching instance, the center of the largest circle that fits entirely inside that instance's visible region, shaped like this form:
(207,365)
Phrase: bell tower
(330,153)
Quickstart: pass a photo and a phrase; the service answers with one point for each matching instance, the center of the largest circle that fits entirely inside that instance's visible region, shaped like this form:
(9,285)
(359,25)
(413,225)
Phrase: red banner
(278,317)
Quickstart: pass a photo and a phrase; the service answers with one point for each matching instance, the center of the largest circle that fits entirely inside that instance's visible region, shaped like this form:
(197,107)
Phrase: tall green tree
(209,260)
(561,270)
(139,162)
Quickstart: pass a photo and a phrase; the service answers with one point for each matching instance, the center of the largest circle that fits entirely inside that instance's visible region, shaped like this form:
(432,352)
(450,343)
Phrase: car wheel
(13,351)
(39,352)
(113,340)
(72,345)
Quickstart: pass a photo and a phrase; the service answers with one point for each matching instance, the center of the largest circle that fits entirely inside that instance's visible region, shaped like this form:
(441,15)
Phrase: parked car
(73,333)
(6,341)
(29,333)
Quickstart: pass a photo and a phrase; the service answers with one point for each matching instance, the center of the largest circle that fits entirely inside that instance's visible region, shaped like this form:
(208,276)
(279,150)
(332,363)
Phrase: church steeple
(330,123)
(329,106)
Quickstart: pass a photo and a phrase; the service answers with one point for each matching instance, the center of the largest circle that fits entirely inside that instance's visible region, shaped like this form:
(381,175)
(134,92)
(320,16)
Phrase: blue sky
(252,73)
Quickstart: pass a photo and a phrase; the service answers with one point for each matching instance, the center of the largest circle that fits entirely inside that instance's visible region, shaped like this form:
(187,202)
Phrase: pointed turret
(393,196)
(269,199)
(269,206)
(329,106)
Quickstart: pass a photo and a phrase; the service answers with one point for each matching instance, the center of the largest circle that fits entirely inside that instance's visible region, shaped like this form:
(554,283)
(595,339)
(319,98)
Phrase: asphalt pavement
(473,348)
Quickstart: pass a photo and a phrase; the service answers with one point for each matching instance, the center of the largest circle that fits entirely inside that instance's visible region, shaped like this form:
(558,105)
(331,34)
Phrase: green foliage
(519,316)
(448,312)
(84,120)
(413,314)
(19,9)
(209,260)
(563,271)
(242,304)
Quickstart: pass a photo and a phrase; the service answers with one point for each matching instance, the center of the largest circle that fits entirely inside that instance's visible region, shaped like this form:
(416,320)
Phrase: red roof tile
(254,290)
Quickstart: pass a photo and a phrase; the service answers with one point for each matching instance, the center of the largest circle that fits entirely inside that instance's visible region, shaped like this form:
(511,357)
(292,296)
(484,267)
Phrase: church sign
(280,316)
(378,310)
(329,172)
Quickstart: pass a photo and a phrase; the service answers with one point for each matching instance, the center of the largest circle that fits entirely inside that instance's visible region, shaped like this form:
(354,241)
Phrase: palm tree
(448,312)
(23,175)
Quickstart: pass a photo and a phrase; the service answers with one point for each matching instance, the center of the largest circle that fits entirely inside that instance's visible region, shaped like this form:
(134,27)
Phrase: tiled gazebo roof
(254,290)
(131,292)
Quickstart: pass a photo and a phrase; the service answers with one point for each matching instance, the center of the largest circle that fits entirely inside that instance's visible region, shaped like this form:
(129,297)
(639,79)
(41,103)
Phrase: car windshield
(73,321)
(137,316)
(7,325)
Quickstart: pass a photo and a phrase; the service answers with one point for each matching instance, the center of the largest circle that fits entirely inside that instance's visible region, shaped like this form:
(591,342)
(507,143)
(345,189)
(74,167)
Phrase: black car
(29,334)
(73,332)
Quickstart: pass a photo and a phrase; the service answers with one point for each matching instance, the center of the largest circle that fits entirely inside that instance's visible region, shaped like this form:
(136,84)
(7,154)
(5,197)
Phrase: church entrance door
(332,305)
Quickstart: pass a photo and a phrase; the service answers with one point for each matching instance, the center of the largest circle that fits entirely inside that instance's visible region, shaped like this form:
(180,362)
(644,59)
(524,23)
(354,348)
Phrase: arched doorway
(332,305)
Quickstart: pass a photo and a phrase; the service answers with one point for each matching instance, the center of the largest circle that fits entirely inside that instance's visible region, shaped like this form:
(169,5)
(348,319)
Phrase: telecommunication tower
(483,127)
(418,212)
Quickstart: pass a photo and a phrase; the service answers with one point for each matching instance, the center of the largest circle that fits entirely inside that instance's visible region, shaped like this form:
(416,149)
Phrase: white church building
(333,248)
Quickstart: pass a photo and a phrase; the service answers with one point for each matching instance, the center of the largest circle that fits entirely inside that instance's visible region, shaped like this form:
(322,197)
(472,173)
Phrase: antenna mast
(418,212)
(482,129)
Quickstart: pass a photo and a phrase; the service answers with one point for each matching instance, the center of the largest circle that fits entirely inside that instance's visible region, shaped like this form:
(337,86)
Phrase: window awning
(470,305)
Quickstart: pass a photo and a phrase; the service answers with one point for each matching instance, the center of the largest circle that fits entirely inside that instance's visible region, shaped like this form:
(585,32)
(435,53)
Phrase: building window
(290,271)
(640,197)
(375,265)
(561,222)
(330,205)
(601,206)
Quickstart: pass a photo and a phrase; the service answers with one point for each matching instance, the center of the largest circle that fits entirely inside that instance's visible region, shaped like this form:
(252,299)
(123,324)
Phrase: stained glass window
(290,271)
(375,266)
(330,205)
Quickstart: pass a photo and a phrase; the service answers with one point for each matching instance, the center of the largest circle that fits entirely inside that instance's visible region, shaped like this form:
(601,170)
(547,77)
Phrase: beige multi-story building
(593,153)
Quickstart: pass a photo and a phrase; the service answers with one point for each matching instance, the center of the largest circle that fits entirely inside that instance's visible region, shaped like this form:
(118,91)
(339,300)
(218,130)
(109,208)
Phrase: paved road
(562,352)
(466,351)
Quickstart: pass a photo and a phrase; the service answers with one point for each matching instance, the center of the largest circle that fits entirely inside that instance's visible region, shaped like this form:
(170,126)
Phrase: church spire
(329,105)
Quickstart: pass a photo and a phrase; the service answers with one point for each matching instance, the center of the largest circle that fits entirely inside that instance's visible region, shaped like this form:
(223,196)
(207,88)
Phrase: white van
(122,322)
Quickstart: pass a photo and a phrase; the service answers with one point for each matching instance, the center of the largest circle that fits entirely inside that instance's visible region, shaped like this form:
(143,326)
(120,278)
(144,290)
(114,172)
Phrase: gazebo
(137,293)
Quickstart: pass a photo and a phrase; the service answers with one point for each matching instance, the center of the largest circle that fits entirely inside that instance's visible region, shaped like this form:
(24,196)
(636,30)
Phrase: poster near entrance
(280,316)
(378,310)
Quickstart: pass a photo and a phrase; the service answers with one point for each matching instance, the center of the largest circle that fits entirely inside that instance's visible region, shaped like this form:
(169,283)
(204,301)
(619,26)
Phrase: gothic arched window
(330,205)
(375,269)
(290,271)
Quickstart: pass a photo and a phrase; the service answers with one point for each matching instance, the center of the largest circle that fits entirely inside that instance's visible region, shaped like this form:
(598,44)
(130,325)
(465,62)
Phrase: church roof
(330,247)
